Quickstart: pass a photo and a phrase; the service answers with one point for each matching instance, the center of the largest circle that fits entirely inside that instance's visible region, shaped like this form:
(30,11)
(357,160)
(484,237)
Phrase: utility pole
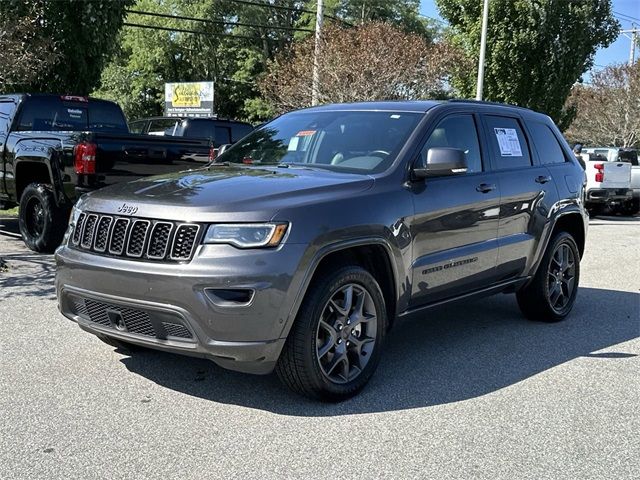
(483,48)
(633,36)
(316,55)
(632,53)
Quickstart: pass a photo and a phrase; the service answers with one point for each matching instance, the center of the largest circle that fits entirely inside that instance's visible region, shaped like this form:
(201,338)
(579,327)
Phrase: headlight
(247,235)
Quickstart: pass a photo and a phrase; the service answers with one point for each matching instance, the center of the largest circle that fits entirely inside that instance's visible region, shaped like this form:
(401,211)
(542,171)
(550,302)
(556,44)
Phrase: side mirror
(222,148)
(439,162)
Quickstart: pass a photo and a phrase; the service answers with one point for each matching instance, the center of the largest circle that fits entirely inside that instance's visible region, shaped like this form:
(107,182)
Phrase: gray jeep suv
(302,244)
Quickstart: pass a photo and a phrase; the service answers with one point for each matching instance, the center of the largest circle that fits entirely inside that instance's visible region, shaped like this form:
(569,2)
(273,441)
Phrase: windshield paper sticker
(508,141)
(305,133)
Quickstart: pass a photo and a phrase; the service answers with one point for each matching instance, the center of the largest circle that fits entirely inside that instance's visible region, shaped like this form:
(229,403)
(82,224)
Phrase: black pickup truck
(55,148)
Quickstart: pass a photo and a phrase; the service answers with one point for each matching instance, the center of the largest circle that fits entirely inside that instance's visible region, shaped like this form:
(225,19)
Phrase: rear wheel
(335,344)
(42,223)
(552,292)
(630,207)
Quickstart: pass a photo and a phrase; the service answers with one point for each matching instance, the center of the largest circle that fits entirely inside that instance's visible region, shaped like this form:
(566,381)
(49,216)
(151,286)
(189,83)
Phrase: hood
(224,193)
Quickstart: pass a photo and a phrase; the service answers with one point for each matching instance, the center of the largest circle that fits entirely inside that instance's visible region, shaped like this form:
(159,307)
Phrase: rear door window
(546,144)
(508,144)
(239,131)
(163,126)
(223,135)
(199,129)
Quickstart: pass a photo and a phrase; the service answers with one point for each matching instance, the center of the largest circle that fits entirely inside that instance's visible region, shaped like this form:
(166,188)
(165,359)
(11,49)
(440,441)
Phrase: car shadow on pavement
(23,273)
(453,354)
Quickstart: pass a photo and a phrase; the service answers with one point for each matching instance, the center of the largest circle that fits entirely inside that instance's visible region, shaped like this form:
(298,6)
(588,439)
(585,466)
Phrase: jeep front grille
(135,237)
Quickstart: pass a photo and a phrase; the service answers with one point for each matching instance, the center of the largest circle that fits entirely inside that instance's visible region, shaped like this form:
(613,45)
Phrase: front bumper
(173,307)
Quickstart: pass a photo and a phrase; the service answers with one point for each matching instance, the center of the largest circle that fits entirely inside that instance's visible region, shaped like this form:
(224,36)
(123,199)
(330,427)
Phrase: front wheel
(335,344)
(552,292)
(42,223)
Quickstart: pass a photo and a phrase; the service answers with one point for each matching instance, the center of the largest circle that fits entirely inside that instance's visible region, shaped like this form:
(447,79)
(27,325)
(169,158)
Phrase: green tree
(82,35)
(231,49)
(404,14)
(536,49)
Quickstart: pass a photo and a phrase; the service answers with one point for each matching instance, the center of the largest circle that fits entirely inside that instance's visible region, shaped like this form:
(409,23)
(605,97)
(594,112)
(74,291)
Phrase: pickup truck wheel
(552,292)
(42,223)
(336,341)
(630,207)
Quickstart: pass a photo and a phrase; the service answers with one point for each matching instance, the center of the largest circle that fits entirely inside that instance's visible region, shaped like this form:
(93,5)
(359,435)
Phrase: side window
(458,131)
(508,144)
(136,127)
(239,131)
(164,126)
(223,136)
(5,114)
(546,144)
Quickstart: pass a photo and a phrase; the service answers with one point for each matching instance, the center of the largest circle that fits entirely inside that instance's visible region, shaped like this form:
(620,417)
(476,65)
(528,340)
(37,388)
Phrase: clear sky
(626,11)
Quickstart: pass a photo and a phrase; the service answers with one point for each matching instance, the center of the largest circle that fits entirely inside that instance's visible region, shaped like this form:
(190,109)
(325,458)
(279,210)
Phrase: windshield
(364,142)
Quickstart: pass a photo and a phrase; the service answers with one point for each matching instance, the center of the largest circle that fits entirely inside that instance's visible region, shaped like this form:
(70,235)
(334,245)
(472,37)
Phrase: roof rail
(485,102)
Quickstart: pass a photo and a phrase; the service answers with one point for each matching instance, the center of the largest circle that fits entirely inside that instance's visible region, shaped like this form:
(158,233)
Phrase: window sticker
(74,113)
(305,133)
(293,144)
(508,141)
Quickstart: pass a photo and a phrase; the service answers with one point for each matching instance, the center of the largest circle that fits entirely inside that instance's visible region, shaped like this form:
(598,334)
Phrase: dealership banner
(192,99)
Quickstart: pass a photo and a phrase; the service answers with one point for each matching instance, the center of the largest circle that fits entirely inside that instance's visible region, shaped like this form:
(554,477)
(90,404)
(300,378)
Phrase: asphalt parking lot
(473,391)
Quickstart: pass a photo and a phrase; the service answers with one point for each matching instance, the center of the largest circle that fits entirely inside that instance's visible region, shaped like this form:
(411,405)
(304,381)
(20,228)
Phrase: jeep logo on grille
(127,209)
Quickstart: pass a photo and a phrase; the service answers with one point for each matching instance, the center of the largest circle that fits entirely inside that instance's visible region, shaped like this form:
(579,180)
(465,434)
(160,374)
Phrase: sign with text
(192,99)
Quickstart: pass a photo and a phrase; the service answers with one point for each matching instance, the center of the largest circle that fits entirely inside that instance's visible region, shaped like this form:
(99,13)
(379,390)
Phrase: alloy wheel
(346,333)
(562,277)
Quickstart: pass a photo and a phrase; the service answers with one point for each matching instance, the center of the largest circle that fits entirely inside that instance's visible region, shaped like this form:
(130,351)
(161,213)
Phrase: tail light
(600,174)
(213,153)
(85,158)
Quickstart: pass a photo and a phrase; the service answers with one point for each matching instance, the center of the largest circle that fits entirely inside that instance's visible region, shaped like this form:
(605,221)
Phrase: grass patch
(12,212)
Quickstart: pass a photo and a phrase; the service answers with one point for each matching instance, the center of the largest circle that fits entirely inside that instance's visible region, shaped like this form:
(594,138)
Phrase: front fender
(314,256)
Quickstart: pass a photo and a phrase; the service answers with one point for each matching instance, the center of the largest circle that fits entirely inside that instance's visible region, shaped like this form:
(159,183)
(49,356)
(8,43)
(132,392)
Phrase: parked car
(218,131)
(305,242)
(54,148)
(629,206)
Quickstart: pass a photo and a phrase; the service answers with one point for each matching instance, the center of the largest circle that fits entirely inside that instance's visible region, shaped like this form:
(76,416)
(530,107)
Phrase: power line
(218,22)
(290,9)
(184,30)
(628,16)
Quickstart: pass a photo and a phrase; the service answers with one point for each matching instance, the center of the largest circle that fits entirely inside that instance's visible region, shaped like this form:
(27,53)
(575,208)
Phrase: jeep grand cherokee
(304,243)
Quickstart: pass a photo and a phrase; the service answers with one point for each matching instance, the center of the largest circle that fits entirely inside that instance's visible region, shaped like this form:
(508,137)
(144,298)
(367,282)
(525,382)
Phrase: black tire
(300,366)
(42,223)
(631,207)
(536,300)
(595,210)
(119,344)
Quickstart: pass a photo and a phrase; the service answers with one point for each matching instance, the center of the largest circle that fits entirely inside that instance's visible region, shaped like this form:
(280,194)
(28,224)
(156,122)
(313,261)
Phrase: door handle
(543,179)
(485,187)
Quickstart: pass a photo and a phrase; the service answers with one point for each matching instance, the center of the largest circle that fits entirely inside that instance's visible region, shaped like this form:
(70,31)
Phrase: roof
(420,106)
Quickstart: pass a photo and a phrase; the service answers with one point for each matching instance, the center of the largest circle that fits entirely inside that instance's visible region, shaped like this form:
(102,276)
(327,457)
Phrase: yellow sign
(186,95)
